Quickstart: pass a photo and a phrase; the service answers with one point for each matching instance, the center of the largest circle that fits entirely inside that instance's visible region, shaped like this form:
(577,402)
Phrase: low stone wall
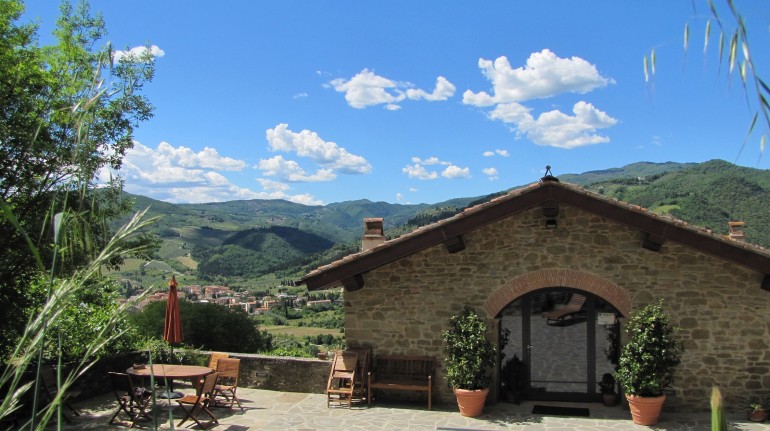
(276,373)
(283,373)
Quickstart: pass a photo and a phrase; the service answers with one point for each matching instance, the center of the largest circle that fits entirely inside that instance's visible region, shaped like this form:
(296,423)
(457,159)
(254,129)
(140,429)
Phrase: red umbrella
(172,329)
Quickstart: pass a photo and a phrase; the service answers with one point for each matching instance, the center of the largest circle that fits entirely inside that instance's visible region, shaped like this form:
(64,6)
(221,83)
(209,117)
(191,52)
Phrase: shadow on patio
(275,410)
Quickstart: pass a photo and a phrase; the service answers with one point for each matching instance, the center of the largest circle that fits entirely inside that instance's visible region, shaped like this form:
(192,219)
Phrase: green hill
(243,243)
(634,170)
(708,194)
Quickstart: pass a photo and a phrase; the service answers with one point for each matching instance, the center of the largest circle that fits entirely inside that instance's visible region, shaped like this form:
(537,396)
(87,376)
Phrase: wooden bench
(407,373)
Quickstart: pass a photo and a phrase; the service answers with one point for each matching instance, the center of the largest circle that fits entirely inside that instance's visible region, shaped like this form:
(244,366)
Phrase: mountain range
(253,243)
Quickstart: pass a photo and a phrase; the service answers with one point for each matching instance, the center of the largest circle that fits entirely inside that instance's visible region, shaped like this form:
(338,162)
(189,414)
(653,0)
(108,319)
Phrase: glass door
(562,341)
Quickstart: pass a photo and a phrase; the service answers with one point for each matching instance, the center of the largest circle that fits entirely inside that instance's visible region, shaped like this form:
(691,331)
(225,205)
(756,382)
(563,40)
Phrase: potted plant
(512,377)
(647,362)
(469,356)
(756,412)
(607,387)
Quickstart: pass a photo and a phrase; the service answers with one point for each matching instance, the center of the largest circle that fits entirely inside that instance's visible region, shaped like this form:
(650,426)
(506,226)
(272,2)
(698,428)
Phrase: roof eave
(659,228)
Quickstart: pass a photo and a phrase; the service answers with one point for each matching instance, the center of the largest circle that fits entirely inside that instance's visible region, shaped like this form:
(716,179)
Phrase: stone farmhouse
(522,257)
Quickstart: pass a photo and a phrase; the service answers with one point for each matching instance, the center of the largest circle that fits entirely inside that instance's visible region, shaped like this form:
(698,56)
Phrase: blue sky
(421,101)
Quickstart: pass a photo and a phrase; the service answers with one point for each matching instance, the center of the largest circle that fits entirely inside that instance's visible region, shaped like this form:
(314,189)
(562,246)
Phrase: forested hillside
(708,194)
(243,243)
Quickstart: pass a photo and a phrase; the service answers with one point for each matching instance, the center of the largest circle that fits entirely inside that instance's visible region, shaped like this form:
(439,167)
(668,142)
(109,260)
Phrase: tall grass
(75,115)
(62,294)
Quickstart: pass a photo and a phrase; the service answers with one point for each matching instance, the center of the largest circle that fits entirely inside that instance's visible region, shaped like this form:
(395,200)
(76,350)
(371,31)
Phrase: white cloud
(157,173)
(302,95)
(177,174)
(491,173)
(556,129)
(168,165)
(545,75)
(429,161)
(289,170)
(208,158)
(418,171)
(413,189)
(443,91)
(304,199)
(399,197)
(180,175)
(328,155)
(271,185)
(278,190)
(200,194)
(501,153)
(454,172)
(368,89)
(138,53)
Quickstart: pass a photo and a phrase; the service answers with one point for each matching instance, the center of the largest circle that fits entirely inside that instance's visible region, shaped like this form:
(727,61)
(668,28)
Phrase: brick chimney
(374,234)
(736,231)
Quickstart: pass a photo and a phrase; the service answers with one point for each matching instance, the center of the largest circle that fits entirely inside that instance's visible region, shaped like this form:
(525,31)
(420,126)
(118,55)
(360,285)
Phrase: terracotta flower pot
(471,403)
(757,415)
(645,410)
(610,400)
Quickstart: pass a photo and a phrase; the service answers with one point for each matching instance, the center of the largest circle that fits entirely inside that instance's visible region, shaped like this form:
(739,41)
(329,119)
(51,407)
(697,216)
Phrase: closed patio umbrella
(172,328)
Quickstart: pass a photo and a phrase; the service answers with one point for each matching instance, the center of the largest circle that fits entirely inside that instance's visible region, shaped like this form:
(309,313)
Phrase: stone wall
(276,373)
(283,373)
(723,314)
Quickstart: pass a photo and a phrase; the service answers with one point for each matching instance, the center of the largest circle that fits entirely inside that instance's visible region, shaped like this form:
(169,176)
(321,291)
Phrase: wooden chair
(362,371)
(132,400)
(200,402)
(342,378)
(51,391)
(215,357)
(227,384)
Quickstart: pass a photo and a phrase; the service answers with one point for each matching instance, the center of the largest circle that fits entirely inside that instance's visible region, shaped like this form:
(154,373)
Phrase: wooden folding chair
(227,385)
(215,357)
(362,371)
(133,401)
(51,391)
(200,402)
(342,378)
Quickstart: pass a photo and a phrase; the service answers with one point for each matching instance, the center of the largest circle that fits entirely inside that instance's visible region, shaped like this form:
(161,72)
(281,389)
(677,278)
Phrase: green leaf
(751,129)
(745,48)
(733,51)
(721,46)
(652,62)
(713,9)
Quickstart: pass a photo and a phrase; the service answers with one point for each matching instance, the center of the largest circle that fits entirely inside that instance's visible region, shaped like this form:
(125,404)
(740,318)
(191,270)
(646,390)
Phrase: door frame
(591,394)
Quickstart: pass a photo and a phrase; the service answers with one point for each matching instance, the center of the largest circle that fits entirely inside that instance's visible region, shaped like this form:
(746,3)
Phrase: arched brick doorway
(562,327)
(532,281)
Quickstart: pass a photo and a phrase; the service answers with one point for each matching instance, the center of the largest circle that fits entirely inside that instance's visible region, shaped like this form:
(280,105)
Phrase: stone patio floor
(273,410)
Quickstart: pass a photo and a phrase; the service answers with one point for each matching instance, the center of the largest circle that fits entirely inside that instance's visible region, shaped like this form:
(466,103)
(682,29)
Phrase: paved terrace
(273,410)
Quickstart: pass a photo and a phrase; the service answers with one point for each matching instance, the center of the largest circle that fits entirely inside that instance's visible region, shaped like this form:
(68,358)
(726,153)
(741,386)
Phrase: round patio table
(172,371)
